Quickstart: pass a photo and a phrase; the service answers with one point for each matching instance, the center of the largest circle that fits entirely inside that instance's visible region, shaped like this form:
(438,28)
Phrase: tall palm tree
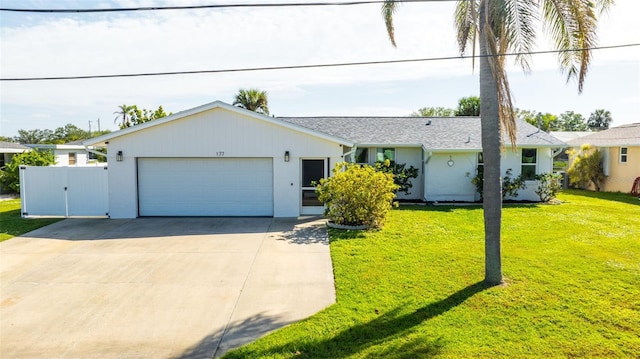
(253,100)
(124,115)
(499,27)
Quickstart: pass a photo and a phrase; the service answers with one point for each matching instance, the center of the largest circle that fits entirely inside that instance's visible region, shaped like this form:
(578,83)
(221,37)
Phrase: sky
(42,45)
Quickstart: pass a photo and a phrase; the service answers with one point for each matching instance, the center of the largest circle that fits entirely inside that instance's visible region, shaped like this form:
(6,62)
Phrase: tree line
(598,120)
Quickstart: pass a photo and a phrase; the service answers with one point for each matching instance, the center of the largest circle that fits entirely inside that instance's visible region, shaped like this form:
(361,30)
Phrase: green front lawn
(414,290)
(11,224)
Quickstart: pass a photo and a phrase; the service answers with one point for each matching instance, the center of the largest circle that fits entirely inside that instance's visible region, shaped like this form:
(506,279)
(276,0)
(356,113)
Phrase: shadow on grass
(360,337)
(608,196)
(234,335)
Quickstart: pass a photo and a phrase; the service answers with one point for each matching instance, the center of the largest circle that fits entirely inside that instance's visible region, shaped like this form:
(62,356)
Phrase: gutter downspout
(354,149)
(559,151)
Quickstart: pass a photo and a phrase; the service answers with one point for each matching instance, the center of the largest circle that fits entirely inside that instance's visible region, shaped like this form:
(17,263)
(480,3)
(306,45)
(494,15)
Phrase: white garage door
(205,186)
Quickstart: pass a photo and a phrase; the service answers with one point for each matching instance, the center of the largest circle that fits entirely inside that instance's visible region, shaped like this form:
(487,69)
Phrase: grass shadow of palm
(359,338)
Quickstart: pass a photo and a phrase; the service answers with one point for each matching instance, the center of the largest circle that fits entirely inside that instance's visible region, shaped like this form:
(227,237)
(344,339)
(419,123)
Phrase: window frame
(533,164)
(72,157)
(359,152)
(624,157)
(380,151)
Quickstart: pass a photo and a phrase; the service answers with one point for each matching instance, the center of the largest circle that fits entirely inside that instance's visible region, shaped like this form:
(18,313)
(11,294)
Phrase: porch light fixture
(119,156)
(450,163)
(286,156)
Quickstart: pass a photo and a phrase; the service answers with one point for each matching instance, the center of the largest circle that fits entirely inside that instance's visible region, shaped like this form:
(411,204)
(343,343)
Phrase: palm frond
(389,7)
(466,17)
(519,17)
(572,25)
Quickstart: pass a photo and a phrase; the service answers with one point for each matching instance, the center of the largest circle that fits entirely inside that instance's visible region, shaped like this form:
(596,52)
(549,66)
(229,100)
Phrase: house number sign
(220,153)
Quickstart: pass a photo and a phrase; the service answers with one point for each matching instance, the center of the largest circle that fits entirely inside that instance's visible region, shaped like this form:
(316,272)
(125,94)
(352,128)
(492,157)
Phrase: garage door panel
(205,186)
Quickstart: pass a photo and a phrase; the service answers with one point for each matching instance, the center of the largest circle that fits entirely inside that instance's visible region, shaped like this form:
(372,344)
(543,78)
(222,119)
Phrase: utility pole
(90,122)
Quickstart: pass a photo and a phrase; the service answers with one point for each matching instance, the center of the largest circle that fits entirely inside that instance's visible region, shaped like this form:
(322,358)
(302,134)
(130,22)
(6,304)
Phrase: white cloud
(115,43)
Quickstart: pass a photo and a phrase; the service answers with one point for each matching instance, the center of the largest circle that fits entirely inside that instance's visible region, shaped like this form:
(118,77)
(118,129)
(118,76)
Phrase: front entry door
(312,171)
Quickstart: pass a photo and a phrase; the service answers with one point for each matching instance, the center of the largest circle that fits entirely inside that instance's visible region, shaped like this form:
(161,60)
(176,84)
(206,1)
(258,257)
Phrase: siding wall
(217,133)
(444,183)
(622,175)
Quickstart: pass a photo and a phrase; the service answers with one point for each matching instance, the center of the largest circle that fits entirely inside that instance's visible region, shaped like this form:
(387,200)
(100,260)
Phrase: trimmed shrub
(357,195)
(549,184)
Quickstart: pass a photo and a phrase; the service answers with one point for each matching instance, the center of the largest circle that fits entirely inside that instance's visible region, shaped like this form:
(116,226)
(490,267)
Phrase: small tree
(548,186)
(10,173)
(586,167)
(357,195)
(401,175)
(434,112)
(468,106)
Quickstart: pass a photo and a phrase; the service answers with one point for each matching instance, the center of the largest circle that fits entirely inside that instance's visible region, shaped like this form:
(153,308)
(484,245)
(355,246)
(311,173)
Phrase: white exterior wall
(216,133)
(412,156)
(444,183)
(62,157)
(513,160)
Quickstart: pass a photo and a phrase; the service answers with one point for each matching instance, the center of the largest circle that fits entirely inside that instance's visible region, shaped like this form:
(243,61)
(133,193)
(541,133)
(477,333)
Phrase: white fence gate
(64,191)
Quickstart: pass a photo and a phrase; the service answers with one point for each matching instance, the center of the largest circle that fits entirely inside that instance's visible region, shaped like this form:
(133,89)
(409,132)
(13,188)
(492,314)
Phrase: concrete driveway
(158,287)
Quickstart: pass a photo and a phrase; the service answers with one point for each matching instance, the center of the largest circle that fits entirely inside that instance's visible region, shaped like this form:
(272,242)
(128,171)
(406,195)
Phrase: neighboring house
(220,160)
(68,154)
(7,150)
(566,136)
(621,149)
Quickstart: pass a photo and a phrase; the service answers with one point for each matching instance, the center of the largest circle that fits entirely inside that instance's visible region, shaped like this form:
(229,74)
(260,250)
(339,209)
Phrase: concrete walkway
(158,287)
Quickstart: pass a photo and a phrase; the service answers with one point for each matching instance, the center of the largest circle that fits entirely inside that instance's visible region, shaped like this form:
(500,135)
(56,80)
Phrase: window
(480,164)
(529,162)
(623,154)
(385,154)
(72,158)
(362,155)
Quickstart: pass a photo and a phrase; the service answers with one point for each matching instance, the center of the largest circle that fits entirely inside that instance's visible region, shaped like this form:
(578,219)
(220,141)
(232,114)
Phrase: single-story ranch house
(220,160)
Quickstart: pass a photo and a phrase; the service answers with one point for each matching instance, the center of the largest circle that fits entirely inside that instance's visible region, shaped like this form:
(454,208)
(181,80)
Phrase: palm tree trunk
(492,191)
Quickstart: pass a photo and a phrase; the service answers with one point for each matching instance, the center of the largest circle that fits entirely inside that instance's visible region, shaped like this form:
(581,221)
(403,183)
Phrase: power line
(212,6)
(291,67)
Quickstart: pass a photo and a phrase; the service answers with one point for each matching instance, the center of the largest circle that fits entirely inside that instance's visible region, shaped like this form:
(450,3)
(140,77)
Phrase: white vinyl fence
(64,191)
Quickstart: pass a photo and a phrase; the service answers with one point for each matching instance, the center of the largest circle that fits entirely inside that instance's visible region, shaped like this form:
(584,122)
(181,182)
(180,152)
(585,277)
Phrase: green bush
(10,173)
(357,195)
(549,184)
(510,185)
(401,175)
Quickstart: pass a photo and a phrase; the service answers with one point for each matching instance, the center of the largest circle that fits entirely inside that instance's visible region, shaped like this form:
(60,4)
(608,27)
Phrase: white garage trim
(205,186)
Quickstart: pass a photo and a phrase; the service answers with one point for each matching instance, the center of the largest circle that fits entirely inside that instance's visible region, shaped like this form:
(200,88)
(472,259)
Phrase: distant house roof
(434,133)
(12,147)
(625,135)
(567,136)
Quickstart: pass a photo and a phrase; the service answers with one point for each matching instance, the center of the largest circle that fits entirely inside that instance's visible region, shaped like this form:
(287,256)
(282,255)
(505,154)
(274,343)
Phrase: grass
(415,290)
(11,224)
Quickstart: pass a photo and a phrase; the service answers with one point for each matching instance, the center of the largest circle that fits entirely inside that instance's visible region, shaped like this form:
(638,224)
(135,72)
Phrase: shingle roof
(12,146)
(436,133)
(625,135)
